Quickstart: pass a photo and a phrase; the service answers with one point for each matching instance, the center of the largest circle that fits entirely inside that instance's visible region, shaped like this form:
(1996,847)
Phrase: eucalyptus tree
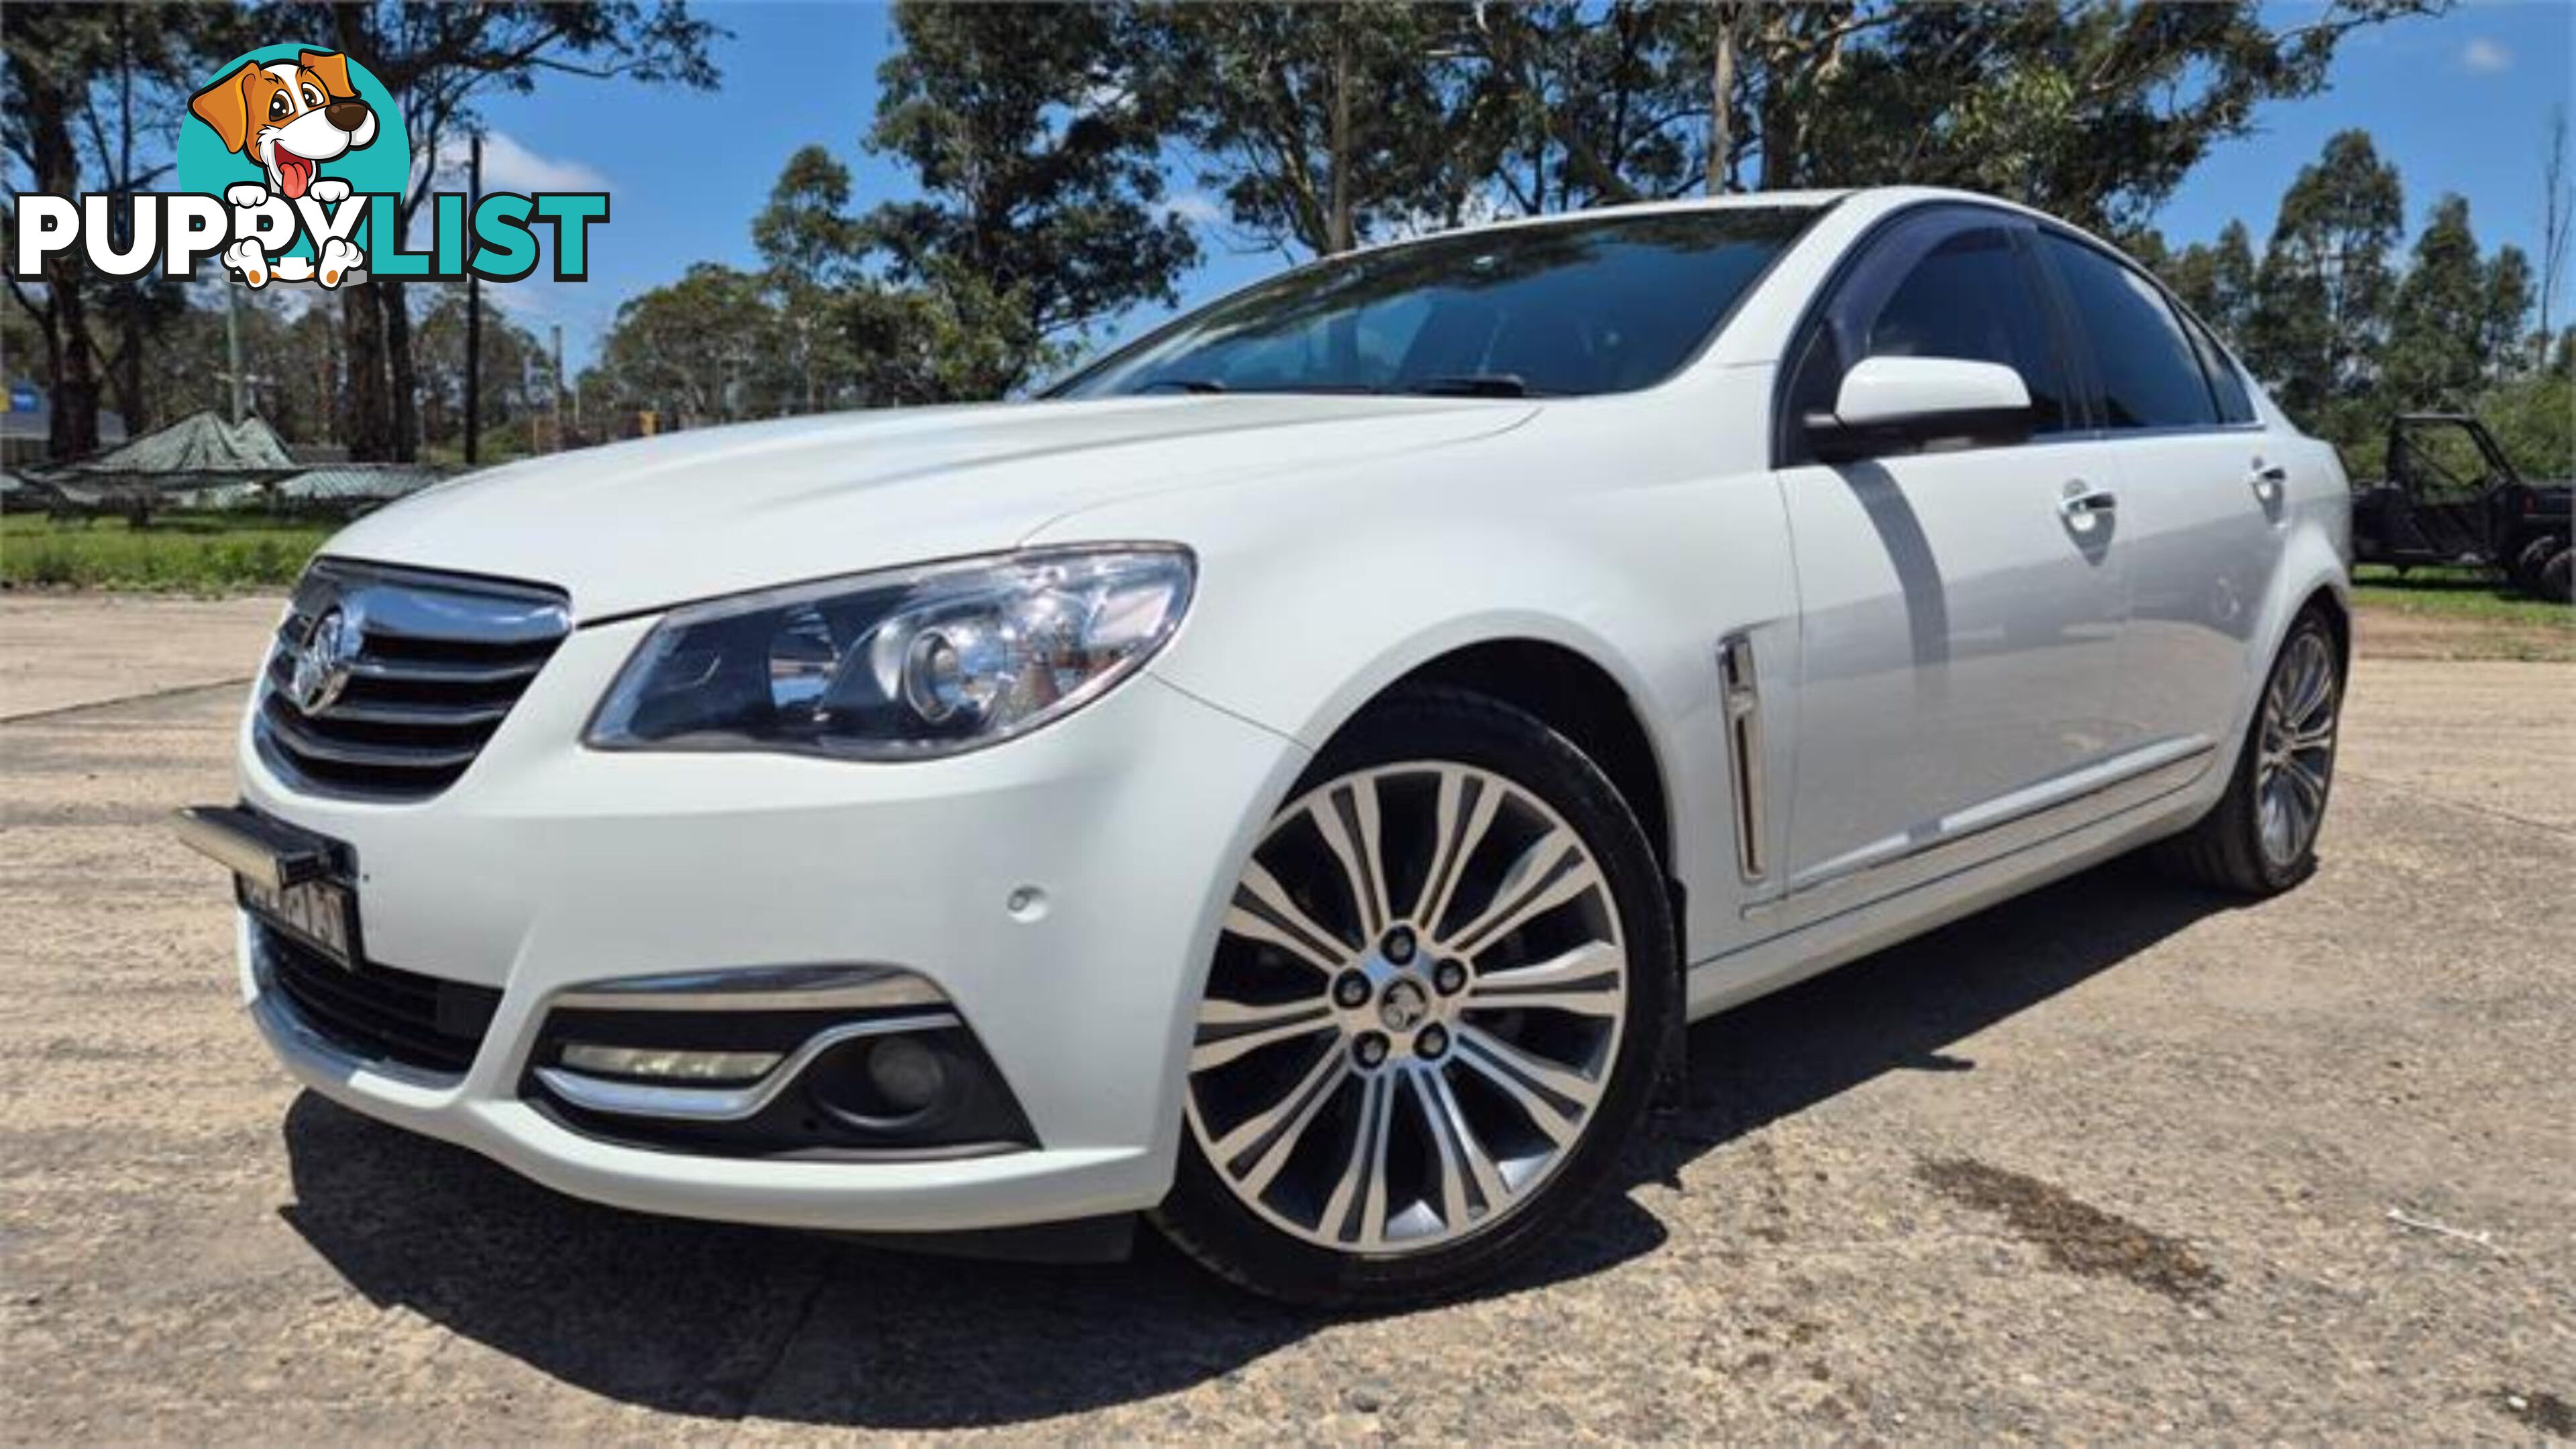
(1037,149)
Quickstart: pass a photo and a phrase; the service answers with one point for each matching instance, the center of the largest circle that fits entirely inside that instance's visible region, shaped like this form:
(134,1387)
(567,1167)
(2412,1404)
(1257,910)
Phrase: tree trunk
(133,401)
(405,419)
(1780,143)
(1721,115)
(72,379)
(1341,238)
(365,420)
(72,422)
(1784,75)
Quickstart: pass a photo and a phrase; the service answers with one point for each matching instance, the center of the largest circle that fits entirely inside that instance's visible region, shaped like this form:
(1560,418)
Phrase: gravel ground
(2115,1161)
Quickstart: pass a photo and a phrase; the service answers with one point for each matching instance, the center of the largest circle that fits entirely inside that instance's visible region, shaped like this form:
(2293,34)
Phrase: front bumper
(1064,891)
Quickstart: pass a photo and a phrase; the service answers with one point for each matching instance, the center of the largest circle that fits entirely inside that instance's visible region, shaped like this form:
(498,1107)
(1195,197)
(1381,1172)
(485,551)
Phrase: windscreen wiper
(1474,384)
(1183,384)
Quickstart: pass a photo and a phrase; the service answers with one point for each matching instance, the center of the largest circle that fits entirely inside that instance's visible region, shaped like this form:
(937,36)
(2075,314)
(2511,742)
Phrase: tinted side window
(2151,378)
(1969,295)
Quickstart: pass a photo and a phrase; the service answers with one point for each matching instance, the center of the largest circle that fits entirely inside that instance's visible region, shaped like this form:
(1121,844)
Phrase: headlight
(903,665)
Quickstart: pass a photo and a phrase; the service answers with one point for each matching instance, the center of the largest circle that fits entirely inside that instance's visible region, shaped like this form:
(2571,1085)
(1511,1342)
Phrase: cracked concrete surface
(190,1249)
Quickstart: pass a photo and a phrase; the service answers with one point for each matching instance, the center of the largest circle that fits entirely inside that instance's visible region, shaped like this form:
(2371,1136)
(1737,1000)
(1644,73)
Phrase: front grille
(385,683)
(379,1013)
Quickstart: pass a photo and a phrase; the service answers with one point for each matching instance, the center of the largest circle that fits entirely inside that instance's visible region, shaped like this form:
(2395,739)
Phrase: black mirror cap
(1830,440)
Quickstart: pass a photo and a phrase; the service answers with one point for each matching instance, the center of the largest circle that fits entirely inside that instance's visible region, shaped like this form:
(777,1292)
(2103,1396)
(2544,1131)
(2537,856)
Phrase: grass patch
(2455,594)
(179,553)
(2456,614)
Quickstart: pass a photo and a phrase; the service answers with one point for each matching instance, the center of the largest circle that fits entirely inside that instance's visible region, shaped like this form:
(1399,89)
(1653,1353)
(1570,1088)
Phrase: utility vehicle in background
(2452,498)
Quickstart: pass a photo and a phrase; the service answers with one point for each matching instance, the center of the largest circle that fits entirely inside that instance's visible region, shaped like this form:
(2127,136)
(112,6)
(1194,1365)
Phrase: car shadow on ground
(721,1321)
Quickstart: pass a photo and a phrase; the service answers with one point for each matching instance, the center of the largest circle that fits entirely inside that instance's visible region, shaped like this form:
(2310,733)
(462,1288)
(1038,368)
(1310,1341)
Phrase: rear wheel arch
(2326,601)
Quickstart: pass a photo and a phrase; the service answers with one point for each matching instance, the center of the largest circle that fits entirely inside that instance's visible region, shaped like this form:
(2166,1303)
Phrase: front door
(1961,611)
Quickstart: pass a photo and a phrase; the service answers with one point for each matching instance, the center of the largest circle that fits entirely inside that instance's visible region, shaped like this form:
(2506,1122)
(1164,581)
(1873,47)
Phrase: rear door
(2201,484)
(1960,610)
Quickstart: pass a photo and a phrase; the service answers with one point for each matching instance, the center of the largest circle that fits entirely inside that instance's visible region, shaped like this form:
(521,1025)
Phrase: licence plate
(323,914)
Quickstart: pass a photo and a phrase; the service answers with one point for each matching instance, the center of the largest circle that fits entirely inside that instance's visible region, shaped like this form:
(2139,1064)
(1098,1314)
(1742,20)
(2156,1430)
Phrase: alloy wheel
(1413,1010)
(2296,759)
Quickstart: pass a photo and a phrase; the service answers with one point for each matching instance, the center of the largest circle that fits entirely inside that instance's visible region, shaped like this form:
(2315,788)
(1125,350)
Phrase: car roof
(1875,199)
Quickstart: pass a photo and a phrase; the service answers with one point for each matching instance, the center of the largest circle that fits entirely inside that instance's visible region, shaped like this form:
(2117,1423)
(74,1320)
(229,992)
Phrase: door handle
(2266,482)
(2083,505)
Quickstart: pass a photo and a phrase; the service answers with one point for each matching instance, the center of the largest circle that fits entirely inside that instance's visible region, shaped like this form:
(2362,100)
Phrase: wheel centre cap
(1403,1006)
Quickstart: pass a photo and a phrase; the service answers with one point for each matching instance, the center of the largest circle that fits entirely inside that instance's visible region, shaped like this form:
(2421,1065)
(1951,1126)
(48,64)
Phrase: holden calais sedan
(1292,782)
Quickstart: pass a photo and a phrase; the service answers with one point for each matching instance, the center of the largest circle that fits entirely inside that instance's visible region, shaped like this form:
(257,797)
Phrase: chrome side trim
(724,1104)
(1741,689)
(761,988)
(1993,828)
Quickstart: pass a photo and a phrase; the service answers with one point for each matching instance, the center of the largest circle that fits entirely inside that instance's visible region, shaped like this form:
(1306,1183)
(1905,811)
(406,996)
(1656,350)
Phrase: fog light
(906,1073)
(667,1064)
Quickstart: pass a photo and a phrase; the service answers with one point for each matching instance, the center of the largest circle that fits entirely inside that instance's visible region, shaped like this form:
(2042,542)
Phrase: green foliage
(1040,136)
(2502,340)
(2433,357)
(2345,341)
(517,375)
(1321,125)
(201,554)
(90,97)
(2215,281)
(704,349)
(2321,295)
(1555,107)
(2093,111)
(1039,156)
(2534,421)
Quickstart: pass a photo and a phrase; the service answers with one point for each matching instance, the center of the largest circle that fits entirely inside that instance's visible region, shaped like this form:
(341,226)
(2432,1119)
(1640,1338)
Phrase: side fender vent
(1741,688)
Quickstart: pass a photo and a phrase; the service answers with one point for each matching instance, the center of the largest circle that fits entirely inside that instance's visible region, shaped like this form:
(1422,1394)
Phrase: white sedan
(1293,781)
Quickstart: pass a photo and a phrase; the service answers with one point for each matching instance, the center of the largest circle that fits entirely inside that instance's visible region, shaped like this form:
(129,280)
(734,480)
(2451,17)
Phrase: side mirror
(1901,404)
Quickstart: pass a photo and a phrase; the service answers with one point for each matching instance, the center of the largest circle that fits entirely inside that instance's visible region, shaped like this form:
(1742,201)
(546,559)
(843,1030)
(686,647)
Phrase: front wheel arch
(1571,695)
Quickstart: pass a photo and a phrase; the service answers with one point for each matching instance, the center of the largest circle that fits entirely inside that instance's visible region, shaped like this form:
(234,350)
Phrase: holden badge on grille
(324,660)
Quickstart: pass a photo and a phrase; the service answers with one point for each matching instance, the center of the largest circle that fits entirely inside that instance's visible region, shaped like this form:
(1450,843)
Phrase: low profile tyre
(1435,1013)
(2261,838)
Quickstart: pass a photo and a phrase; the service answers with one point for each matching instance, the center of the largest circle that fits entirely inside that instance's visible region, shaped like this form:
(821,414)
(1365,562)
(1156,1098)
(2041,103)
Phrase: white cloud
(511,166)
(2485,56)
(1197,207)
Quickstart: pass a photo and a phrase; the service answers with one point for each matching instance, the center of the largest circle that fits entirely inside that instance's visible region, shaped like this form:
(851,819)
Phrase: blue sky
(2460,102)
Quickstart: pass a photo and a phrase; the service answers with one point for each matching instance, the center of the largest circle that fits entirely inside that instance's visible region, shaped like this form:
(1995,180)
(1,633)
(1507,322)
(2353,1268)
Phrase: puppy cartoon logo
(294,167)
(288,117)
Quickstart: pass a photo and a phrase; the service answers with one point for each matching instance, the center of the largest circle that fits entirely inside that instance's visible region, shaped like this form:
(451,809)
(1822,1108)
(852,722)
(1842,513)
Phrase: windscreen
(1575,308)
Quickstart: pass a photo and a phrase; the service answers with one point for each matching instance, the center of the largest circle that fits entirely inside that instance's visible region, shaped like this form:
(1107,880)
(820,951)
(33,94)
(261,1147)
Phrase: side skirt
(2036,849)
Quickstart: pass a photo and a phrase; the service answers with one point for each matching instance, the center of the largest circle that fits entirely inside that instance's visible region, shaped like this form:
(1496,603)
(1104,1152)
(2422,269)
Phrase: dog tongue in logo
(294,171)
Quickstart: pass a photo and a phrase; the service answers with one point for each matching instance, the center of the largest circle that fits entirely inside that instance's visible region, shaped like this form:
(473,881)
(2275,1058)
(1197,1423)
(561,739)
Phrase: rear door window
(2149,372)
